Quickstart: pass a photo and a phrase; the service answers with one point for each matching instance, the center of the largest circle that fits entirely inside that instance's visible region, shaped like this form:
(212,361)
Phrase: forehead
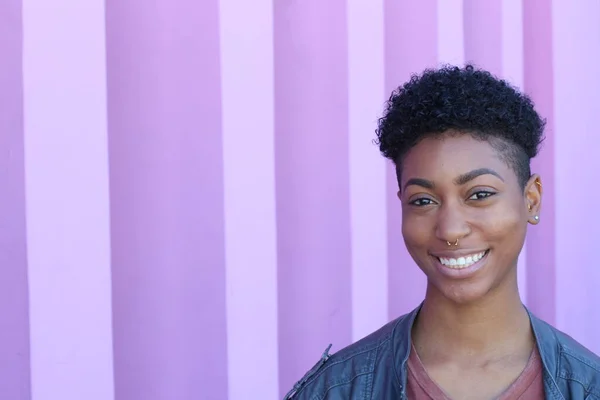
(452,155)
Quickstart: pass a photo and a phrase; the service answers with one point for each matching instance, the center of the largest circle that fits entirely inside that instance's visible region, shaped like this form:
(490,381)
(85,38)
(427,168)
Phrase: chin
(463,292)
(464,295)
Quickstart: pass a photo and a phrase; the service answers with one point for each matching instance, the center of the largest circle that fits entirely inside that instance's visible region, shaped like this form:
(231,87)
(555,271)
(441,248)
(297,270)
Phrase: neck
(492,328)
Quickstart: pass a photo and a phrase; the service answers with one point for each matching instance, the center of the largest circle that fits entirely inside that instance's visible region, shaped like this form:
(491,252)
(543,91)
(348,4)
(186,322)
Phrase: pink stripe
(409,48)
(367,167)
(450,33)
(14,335)
(67,200)
(577,106)
(512,42)
(167,200)
(250,226)
(312,181)
(538,79)
(483,34)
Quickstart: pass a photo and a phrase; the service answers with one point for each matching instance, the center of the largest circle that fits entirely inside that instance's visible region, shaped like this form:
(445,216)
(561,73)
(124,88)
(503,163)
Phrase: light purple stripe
(312,180)
(450,33)
(538,80)
(167,200)
(512,70)
(409,48)
(512,42)
(67,200)
(367,167)
(483,34)
(576,46)
(14,317)
(249,164)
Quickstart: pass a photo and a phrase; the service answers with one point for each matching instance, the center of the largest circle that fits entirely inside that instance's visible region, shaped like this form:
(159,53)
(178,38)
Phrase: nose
(451,223)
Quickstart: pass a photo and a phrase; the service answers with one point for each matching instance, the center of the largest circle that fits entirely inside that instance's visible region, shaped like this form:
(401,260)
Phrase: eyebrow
(460,180)
(469,176)
(419,182)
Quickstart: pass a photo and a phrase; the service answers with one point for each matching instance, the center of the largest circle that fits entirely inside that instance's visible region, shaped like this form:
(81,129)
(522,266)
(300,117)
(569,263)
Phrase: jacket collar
(544,335)
(401,344)
(548,346)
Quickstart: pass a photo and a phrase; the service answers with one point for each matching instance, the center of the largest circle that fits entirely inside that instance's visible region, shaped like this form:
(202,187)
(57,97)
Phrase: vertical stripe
(483,34)
(512,70)
(66,169)
(512,41)
(167,200)
(312,180)
(576,34)
(538,82)
(249,163)
(14,319)
(367,167)
(450,32)
(409,48)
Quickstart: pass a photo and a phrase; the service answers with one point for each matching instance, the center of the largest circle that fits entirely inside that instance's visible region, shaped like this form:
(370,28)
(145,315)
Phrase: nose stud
(452,244)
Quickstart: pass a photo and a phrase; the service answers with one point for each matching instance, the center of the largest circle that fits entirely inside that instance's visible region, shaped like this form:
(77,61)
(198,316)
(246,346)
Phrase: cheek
(506,226)
(417,229)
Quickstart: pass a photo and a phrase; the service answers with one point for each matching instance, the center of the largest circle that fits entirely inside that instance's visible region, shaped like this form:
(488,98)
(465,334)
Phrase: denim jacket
(375,367)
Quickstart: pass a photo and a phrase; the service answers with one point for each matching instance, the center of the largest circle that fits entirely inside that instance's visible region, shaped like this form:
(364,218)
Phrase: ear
(533,199)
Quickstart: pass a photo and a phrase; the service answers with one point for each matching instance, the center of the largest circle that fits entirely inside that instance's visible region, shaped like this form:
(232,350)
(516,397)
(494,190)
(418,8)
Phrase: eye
(421,202)
(480,195)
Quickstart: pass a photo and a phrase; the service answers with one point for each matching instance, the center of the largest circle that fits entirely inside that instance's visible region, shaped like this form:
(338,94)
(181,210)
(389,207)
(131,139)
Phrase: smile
(462,262)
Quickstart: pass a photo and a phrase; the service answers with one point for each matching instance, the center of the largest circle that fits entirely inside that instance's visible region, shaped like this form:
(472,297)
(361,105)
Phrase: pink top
(528,386)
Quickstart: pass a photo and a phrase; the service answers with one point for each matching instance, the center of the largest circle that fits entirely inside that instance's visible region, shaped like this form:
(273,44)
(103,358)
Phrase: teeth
(462,262)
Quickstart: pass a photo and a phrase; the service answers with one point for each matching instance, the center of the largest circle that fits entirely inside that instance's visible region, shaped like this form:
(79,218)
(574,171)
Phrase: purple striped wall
(312,180)
(247,67)
(167,220)
(67,200)
(194,207)
(576,166)
(15,379)
(367,169)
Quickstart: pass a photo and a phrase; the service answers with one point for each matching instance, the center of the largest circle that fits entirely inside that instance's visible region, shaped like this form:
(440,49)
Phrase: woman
(462,142)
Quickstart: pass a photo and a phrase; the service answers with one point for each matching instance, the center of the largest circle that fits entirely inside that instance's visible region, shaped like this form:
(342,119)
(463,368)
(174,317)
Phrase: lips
(460,264)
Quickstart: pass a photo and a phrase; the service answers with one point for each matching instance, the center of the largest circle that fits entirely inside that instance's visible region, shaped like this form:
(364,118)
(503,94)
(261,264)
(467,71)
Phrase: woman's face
(464,215)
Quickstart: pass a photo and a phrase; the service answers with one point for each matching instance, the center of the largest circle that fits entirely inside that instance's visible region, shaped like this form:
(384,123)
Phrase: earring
(529,207)
(537,218)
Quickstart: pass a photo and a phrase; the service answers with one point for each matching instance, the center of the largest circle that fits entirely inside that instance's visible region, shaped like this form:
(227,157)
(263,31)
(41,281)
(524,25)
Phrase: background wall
(193,207)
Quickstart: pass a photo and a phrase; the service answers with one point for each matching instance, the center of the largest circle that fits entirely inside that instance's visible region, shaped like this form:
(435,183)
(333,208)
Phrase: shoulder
(348,370)
(576,365)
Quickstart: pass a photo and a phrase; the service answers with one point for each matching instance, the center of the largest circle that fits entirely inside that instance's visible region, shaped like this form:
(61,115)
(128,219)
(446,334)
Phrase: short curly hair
(465,100)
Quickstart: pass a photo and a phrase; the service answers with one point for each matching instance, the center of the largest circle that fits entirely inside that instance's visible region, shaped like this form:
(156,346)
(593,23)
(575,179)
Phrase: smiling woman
(472,199)
(461,141)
